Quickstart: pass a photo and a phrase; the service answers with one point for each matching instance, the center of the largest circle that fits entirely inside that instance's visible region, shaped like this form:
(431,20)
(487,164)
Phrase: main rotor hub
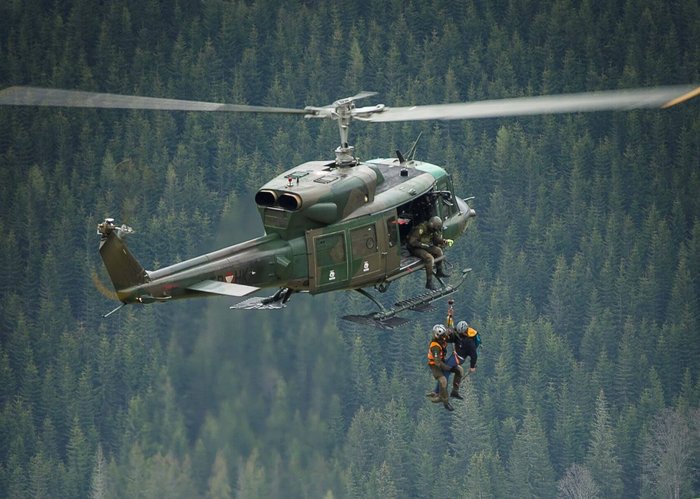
(345,156)
(343,111)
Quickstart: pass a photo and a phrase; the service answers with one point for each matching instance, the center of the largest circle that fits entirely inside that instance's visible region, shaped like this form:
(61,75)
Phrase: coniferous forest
(585,254)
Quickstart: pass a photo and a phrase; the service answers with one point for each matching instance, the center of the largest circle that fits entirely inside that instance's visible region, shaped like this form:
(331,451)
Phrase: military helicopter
(329,225)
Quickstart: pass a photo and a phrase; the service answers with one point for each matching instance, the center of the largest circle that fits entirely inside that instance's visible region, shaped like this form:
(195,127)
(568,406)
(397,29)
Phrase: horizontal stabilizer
(278,300)
(223,288)
(258,303)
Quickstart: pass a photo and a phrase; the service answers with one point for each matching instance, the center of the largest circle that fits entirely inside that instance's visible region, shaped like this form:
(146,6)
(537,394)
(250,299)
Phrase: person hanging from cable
(437,365)
(468,344)
(453,364)
(455,360)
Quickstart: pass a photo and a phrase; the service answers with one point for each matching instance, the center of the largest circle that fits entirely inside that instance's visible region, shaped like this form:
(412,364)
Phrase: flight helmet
(435,224)
(462,327)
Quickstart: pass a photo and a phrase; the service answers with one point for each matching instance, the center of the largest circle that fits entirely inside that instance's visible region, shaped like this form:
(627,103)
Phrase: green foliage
(586,255)
(602,458)
(530,473)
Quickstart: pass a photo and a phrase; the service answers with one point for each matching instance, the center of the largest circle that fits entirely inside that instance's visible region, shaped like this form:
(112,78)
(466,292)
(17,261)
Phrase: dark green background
(586,254)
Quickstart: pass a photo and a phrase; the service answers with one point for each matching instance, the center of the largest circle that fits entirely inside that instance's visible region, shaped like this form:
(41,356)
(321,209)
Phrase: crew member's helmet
(439,331)
(435,224)
(462,327)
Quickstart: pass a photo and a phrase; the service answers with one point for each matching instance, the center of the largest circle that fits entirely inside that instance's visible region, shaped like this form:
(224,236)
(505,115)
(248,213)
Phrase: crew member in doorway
(426,242)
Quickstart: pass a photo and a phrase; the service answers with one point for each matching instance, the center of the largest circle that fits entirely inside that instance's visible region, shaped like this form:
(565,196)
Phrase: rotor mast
(343,111)
(344,153)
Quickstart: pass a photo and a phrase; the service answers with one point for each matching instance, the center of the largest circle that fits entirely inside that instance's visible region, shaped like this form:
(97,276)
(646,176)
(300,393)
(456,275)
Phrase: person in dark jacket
(468,345)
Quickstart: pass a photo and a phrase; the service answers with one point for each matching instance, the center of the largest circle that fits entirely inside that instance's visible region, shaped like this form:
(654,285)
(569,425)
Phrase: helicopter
(329,225)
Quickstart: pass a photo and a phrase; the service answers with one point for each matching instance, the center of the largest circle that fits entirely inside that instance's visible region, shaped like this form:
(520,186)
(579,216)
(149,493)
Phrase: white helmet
(439,330)
(462,327)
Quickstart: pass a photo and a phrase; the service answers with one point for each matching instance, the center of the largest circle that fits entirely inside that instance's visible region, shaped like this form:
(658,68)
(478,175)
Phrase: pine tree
(530,472)
(631,360)
(426,448)
(470,431)
(362,383)
(381,482)
(629,447)
(78,460)
(486,476)
(602,458)
(41,479)
(567,434)
(252,478)
(219,485)
(396,452)
(99,479)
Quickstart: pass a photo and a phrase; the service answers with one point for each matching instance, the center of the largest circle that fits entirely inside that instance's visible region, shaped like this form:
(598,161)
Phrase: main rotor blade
(34,96)
(565,103)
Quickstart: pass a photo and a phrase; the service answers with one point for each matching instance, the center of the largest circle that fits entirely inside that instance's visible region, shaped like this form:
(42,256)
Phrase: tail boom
(235,271)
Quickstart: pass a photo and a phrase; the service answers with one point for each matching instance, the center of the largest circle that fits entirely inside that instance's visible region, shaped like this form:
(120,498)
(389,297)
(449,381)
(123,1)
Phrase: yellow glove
(449,242)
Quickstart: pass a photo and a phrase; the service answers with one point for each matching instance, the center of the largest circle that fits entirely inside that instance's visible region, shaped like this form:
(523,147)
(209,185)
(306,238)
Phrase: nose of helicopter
(466,213)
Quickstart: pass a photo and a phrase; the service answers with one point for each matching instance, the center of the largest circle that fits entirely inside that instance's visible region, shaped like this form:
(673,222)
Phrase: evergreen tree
(41,479)
(219,486)
(601,458)
(78,460)
(252,480)
(99,480)
(568,432)
(485,476)
(530,472)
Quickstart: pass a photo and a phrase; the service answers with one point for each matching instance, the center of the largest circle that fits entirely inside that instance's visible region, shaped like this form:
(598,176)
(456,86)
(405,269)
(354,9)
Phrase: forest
(585,256)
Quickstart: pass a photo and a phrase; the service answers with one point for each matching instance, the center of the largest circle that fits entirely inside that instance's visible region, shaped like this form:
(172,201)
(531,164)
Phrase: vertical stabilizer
(124,270)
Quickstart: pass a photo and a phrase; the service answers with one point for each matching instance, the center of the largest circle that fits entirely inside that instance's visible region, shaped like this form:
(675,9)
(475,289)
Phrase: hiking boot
(431,285)
(448,406)
(456,395)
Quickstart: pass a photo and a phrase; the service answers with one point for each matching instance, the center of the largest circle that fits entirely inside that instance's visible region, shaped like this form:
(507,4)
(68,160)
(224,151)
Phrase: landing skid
(387,318)
(278,300)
